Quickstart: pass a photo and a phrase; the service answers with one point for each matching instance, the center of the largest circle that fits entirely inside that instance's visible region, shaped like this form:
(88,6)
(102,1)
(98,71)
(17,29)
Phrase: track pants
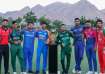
(79,51)
(28,55)
(42,49)
(101,56)
(16,50)
(65,53)
(91,56)
(53,63)
(4,52)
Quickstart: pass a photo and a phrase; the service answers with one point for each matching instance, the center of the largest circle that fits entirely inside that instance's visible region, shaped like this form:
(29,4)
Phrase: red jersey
(4,36)
(89,33)
(100,37)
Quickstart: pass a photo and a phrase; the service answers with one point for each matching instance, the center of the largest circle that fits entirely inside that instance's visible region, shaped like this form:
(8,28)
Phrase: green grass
(84,64)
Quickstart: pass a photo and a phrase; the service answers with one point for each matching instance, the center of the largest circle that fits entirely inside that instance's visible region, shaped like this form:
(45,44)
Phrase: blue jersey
(42,36)
(29,37)
(78,33)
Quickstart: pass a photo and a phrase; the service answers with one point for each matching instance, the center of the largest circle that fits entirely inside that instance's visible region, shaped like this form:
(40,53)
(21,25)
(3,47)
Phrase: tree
(1,19)
(57,24)
(45,20)
(29,17)
(10,19)
(93,22)
(82,20)
(18,20)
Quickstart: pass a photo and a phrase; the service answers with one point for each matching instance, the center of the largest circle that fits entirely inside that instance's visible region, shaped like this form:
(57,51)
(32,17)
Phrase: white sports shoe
(89,72)
(101,73)
(46,72)
(95,72)
(74,71)
(58,72)
(14,73)
(79,72)
(23,72)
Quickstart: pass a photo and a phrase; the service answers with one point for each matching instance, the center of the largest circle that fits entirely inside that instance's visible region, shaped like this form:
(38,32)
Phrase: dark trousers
(4,52)
(53,59)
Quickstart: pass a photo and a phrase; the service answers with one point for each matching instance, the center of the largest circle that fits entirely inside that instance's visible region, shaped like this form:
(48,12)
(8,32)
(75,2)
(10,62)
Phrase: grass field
(84,64)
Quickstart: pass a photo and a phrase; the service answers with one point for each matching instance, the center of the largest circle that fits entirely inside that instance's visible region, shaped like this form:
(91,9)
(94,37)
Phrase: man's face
(14,25)
(30,25)
(63,28)
(5,23)
(99,24)
(88,24)
(77,22)
(43,26)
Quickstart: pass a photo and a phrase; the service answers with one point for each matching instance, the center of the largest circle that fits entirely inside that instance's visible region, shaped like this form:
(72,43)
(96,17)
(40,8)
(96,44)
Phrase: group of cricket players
(21,43)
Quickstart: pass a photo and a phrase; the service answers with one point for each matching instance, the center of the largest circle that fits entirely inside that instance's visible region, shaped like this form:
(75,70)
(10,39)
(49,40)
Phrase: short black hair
(29,23)
(99,20)
(77,19)
(62,24)
(5,20)
(88,21)
(13,22)
(43,23)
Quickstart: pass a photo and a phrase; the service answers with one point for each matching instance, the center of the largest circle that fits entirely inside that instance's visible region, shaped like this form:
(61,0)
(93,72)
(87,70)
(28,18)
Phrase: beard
(5,26)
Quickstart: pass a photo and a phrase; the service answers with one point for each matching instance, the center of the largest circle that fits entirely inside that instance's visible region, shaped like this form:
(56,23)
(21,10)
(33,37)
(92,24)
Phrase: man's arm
(22,31)
(58,41)
(11,39)
(48,37)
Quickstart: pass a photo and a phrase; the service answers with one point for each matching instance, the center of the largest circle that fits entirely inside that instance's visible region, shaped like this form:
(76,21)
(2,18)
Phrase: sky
(13,5)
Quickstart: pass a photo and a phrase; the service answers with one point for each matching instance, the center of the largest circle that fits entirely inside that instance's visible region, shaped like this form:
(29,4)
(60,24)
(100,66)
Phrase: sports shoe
(14,73)
(79,72)
(23,73)
(89,72)
(74,71)
(95,72)
(37,72)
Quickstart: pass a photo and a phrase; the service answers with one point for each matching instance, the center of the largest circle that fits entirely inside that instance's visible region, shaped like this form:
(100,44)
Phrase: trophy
(53,36)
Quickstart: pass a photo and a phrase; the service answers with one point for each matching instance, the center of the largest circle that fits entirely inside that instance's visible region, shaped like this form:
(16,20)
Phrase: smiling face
(63,28)
(5,23)
(99,24)
(43,26)
(77,22)
(88,24)
(30,26)
(14,25)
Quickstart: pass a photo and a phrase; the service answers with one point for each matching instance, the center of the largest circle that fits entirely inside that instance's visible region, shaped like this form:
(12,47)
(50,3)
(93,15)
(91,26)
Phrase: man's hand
(15,42)
(19,41)
(95,49)
(63,45)
(104,50)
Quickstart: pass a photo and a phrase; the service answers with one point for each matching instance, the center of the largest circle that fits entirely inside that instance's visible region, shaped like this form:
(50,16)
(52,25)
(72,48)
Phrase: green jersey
(15,36)
(64,38)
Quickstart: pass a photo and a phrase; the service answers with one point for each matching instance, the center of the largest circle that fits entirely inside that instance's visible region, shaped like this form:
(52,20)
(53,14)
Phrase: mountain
(62,11)
(16,14)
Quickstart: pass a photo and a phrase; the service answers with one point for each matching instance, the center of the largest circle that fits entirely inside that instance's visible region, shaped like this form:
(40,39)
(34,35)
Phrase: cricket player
(90,36)
(77,32)
(16,48)
(4,47)
(42,35)
(101,46)
(65,43)
(28,45)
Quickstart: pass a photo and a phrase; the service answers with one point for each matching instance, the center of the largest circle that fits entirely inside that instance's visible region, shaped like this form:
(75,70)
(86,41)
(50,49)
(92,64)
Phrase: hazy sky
(11,5)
